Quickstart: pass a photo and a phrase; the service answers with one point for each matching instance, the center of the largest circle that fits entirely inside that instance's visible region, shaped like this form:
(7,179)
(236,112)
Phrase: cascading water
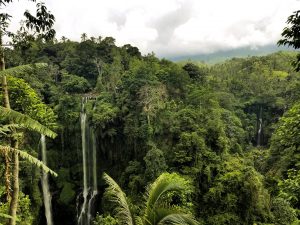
(89,163)
(259,131)
(45,184)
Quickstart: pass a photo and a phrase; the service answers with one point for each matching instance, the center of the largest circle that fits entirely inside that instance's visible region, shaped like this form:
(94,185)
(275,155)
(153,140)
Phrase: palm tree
(31,159)
(43,27)
(19,121)
(23,121)
(157,209)
(83,37)
(63,39)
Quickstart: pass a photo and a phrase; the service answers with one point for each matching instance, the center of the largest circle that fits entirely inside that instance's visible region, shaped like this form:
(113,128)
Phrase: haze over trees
(214,144)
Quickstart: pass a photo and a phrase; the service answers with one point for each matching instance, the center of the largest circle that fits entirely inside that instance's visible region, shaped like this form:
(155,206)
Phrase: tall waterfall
(89,163)
(45,184)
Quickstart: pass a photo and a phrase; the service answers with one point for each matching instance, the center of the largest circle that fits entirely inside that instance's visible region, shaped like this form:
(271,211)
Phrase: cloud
(117,17)
(171,27)
(166,24)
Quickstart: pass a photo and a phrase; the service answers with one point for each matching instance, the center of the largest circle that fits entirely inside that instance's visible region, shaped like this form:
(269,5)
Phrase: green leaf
(26,121)
(29,158)
(118,196)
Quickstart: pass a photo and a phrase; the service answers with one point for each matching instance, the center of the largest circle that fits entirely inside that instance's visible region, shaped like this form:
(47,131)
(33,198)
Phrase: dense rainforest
(134,139)
(230,130)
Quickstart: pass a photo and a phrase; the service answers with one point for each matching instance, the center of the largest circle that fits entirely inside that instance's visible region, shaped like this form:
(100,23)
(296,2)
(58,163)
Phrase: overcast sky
(170,27)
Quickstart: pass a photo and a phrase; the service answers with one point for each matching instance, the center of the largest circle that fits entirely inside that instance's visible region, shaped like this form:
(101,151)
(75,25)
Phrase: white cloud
(171,27)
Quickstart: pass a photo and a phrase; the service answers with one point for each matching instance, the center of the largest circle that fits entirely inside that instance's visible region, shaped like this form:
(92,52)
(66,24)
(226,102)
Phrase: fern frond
(118,197)
(29,158)
(15,71)
(26,121)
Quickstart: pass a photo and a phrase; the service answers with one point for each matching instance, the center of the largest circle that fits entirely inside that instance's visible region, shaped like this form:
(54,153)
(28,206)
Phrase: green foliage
(283,213)
(105,220)
(236,195)
(195,72)
(68,109)
(67,194)
(25,215)
(75,84)
(155,163)
(21,70)
(103,113)
(290,35)
(201,121)
(25,121)
(32,160)
(25,100)
(285,141)
(290,187)
(159,207)
(133,177)
(118,197)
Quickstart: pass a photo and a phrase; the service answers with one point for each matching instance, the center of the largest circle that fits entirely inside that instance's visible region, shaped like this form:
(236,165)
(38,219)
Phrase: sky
(169,27)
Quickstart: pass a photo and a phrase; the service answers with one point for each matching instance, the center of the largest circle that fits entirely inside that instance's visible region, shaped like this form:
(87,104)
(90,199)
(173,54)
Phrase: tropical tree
(291,34)
(16,120)
(159,208)
(152,99)
(42,24)
(19,121)
(83,37)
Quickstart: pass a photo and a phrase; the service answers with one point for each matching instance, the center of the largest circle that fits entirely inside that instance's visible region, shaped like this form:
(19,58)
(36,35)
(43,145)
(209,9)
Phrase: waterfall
(89,164)
(45,184)
(259,131)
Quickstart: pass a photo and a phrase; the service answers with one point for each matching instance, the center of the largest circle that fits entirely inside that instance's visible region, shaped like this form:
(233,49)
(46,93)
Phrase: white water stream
(89,164)
(45,184)
(259,131)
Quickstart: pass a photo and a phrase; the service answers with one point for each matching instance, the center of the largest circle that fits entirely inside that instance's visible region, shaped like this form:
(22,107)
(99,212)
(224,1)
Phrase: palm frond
(26,121)
(165,183)
(118,197)
(5,216)
(29,158)
(14,71)
(169,215)
(178,219)
(4,129)
(138,220)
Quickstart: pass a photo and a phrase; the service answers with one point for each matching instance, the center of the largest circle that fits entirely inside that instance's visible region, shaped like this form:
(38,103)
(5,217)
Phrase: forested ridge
(230,129)
(134,139)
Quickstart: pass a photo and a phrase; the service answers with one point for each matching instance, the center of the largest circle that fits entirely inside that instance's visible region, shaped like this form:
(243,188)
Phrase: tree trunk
(4,81)
(5,93)
(62,137)
(15,190)
(7,175)
(15,193)
(6,105)
(98,63)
